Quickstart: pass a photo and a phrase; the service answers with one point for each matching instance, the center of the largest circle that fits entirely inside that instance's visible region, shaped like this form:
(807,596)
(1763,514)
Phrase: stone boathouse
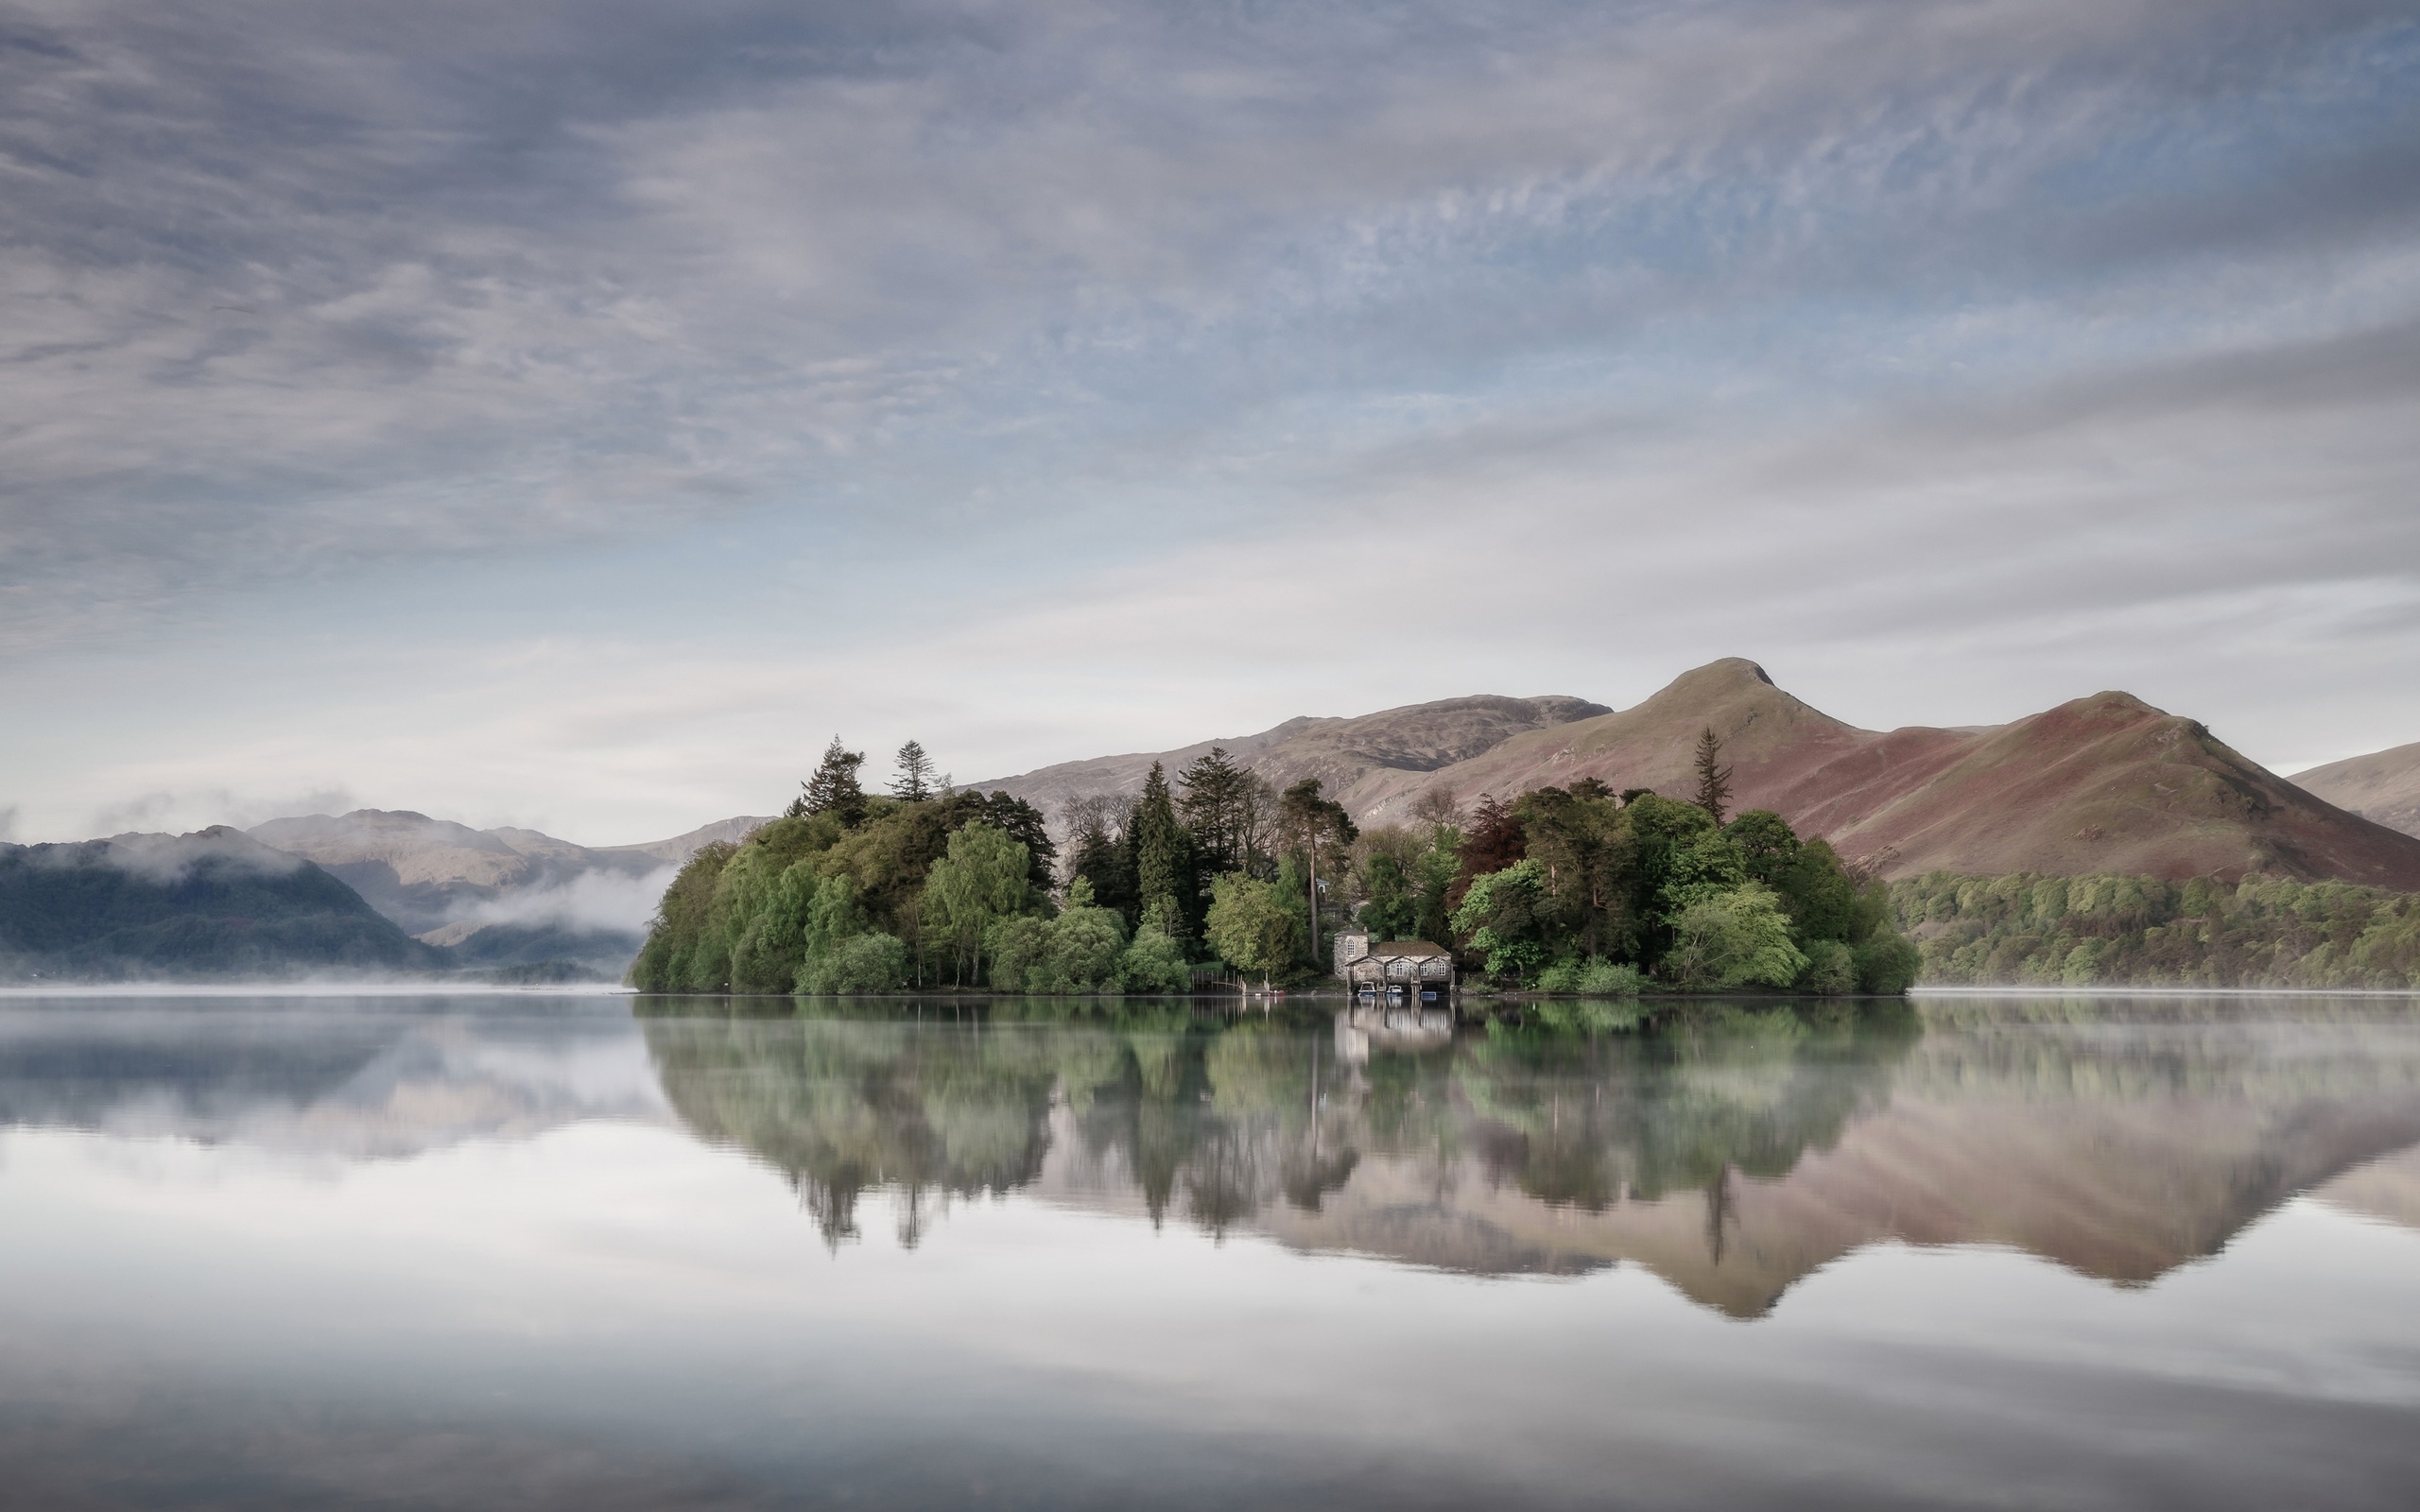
(1398,970)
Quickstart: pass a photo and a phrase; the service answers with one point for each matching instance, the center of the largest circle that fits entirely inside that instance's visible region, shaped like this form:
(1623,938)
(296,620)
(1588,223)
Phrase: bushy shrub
(1153,963)
(1594,977)
(1831,970)
(862,963)
(1887,964)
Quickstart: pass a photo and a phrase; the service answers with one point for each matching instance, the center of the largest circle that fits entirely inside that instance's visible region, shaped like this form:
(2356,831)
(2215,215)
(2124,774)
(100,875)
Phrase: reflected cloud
(387,1080)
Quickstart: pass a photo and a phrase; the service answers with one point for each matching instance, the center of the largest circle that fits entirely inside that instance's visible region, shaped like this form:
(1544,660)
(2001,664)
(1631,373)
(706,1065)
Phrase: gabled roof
(1408,947)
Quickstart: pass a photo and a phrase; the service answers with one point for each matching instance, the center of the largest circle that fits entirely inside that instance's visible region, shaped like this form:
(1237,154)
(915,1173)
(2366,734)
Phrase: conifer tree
(834,787)
(1714,778)
(1164,877)
(914,783)
(1317,826)
(1216,793)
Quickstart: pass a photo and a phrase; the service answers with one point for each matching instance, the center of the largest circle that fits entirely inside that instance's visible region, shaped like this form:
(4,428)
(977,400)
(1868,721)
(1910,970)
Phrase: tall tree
(1317,828)
(1714,778)
(914,783)
(1218,792)
(1166,880)
(1493,841)
(834,787)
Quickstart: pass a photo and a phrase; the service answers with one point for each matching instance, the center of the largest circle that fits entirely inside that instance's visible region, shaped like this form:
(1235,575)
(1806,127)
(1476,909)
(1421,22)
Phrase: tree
(1438,809)
(1392,912)
(1500,918)
(914,783)
(1165,883)
(1251,927)
(1316,827)
(1714,778)
(834,787)
(1219,793)
(1735,938)
(1493,841)
(982,878)
(1096,854)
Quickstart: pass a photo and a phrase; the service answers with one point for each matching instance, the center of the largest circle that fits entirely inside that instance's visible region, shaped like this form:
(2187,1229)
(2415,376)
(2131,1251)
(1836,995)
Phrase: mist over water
(534,1250)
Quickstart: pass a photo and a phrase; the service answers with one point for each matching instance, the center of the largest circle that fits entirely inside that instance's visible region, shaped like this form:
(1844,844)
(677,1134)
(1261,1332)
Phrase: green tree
(1732,939)
(1216,806)
(1316,829)
(1165,882)
(980,880)
(1152,962)
(834,787)
(1714,778)
(1251,927)
(1502,919)
(913,782)
(1392,912)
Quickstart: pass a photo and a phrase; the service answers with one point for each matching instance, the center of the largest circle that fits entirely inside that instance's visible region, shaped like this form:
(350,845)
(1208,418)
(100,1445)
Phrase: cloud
(295,292)
(593,899)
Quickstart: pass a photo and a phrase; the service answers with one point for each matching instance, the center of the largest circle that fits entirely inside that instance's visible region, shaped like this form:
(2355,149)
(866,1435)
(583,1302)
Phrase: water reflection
(1731,1149)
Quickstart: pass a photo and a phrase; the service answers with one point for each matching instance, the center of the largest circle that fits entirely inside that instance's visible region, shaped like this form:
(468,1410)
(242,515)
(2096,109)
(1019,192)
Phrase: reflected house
(1395,971)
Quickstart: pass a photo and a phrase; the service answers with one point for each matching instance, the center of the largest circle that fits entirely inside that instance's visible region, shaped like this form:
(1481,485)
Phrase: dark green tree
(834,787)
(1714,778)
(1316,829)
(1768,846)
(1216,793)
(1392,912)
(914,783)
(1167,882)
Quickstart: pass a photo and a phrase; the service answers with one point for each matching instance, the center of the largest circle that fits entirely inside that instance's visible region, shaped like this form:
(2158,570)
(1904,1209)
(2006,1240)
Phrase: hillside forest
(1218,873)
(2025,929)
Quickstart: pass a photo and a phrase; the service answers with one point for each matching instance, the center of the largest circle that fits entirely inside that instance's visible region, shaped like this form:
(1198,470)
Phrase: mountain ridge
(2106,782)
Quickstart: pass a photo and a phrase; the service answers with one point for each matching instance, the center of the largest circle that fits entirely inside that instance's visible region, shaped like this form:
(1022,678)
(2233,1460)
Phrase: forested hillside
(2133,931)
(209,904)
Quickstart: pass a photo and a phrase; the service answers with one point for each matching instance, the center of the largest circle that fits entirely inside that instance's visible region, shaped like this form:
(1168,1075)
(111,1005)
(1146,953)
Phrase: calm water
(542,1252)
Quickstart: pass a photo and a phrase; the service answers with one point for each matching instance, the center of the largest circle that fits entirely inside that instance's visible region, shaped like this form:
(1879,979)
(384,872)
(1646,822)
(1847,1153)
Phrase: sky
(573,415)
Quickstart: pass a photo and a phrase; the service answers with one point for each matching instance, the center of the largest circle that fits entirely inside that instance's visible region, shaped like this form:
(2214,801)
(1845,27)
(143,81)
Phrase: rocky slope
(2383,786)
(1357,759)
(2104,784)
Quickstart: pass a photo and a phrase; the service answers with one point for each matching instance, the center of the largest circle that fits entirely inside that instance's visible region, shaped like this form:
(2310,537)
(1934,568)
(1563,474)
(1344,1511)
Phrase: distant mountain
(211,904)
(677,849)
(494,898)
(2104,784)
(2383,786)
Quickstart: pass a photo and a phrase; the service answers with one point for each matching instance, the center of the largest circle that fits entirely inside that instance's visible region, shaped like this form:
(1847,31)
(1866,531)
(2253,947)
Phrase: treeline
(1581,889)
(2025,929)
(1576,889)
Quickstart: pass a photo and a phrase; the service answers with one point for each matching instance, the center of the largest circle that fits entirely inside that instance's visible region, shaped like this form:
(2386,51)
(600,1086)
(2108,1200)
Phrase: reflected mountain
(1731,1151)
(367,1080)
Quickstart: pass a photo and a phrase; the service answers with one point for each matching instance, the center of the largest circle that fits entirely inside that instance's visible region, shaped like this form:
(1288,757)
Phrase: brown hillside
(2382,787)
(2104,784)
(1348,756)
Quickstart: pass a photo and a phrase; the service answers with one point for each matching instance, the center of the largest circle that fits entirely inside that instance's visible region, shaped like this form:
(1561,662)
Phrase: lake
(560,1251)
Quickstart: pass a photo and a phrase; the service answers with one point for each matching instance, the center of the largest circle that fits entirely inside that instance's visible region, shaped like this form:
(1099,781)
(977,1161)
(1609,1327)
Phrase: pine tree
(834,787)
(915,781)
(1714,778)
(1164,877)
(1315,826)
(1216,793)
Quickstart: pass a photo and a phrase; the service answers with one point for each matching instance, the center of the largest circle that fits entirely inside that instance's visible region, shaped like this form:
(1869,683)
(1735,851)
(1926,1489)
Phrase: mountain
(2103,784)
(2383,786)
(1355,760)
(211,904)
(677,849)
(492,898)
